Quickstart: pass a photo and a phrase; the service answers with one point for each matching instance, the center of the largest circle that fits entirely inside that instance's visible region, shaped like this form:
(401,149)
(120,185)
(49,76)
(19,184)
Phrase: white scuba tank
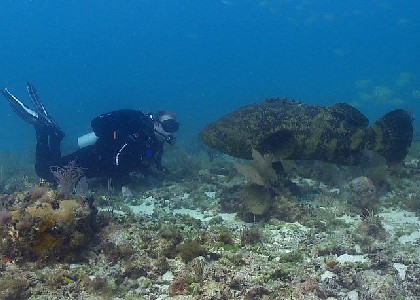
(87,139)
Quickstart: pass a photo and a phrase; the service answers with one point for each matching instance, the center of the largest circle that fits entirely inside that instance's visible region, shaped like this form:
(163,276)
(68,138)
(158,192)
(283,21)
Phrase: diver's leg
(48,133)
(47,154)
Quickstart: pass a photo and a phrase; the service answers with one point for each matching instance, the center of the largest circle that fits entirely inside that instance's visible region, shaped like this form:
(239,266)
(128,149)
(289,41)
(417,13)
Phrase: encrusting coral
(42,226)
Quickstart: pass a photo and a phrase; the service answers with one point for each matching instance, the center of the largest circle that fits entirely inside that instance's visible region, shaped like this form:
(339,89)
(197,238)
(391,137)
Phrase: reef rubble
(192,238)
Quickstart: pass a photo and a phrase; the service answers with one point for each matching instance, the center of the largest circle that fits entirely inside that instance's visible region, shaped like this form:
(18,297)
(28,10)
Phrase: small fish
(69,279)
(365,214)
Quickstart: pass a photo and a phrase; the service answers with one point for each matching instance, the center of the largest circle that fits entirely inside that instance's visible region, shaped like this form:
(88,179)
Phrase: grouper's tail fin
(391,135)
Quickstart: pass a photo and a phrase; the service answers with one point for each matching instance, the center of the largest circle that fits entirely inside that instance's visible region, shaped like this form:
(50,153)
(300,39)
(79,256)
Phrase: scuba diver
(122,141)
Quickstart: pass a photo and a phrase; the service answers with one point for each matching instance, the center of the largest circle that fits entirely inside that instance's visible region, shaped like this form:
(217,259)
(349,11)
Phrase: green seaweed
(191,249)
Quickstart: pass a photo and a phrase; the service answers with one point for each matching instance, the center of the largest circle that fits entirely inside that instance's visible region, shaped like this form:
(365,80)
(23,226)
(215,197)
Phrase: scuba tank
(87,139)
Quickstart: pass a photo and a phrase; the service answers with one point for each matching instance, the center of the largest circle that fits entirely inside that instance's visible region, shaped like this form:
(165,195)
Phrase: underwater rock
(43,227)
(293,130)
(363,193)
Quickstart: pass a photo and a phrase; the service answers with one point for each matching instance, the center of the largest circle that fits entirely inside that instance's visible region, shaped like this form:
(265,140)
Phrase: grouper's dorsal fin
(349,114)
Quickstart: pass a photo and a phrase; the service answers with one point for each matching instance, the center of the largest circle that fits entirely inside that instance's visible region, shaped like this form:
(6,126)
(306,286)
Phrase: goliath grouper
(293,130)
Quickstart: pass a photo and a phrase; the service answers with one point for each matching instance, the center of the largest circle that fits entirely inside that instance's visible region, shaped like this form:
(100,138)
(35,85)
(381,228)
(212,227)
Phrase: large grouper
(289,129)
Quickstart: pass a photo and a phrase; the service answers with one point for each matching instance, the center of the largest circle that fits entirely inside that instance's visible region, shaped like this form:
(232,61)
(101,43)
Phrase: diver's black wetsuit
(126,143)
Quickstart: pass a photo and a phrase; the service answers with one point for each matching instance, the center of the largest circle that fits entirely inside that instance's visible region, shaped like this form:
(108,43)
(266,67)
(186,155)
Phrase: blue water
(203,58)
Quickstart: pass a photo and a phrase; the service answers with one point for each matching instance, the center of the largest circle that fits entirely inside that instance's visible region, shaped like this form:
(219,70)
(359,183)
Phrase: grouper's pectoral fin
(280,144)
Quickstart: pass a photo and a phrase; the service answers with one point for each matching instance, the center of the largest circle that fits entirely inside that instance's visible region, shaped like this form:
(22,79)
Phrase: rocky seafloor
(207,230)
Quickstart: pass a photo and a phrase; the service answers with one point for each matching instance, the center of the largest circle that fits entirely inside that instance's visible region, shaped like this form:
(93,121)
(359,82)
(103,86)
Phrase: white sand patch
(211,195)
(229,219)
(192,213)
(410,238)
(401,269)
(347,258)
(352,295)
(168,276)
(349,219)
(184,196)
(289,233)
(143,209)
(148,208)
(327,275)
(400,220)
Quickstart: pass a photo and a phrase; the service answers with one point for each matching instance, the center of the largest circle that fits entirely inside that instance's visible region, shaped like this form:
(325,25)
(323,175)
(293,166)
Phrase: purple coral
(67,176)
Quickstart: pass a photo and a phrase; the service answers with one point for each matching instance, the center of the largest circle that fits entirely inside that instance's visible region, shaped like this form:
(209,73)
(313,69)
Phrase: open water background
(204,58)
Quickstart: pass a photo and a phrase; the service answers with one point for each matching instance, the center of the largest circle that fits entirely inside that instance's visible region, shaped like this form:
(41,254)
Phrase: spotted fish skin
(289,129)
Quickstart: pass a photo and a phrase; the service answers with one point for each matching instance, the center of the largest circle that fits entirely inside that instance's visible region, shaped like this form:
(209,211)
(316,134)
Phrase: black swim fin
(19,108)
(38,117)
(40,108)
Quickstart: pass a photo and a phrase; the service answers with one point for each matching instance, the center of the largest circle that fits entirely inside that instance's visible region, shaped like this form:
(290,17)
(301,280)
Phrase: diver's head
(165,125)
